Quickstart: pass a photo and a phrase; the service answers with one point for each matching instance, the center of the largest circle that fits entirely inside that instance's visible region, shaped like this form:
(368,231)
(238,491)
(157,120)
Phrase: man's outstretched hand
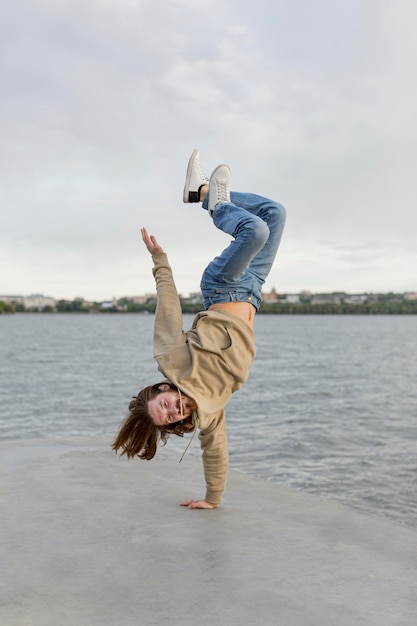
(151,242)
(198,504)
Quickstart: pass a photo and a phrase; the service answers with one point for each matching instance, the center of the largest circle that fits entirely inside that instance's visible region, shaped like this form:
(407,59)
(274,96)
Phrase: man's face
(165,407)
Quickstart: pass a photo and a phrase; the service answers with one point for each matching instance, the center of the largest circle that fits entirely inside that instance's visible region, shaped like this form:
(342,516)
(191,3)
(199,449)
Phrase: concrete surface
(89,539)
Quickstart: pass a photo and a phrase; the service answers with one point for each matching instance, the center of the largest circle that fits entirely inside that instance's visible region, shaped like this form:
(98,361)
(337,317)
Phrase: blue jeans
(239,272)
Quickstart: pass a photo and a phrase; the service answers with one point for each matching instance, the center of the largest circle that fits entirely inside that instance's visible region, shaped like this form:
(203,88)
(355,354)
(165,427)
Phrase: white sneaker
(194,179)
(219,187)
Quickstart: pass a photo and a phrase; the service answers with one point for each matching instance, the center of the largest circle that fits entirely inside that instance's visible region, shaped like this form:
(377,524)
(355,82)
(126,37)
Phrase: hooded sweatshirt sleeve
(168,327)
(213,442)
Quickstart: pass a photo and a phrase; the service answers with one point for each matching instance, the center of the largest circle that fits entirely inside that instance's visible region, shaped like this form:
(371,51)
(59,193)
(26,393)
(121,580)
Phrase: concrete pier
(90,539)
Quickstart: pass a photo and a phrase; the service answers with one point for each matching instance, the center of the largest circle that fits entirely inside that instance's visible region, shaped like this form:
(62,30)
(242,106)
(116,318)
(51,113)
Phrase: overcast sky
(310,102)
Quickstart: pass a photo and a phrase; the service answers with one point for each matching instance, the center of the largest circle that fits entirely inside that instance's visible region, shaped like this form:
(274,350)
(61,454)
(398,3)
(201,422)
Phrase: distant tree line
(7,307)
(408,307)
(382,306)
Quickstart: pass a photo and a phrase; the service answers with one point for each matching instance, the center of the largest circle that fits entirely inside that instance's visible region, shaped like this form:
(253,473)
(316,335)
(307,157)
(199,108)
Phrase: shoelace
(223,191)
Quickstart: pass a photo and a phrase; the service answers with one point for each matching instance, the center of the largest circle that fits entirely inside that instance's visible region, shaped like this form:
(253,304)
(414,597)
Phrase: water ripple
(330,406)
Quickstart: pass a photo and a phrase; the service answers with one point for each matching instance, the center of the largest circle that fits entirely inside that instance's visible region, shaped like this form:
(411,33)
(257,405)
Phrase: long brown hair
(138,435)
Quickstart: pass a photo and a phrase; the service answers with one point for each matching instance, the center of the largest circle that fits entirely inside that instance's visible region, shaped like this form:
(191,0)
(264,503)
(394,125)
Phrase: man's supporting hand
(198,504)
(151,242)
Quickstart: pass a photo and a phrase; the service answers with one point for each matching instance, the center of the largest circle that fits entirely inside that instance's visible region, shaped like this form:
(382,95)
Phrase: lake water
(330,407)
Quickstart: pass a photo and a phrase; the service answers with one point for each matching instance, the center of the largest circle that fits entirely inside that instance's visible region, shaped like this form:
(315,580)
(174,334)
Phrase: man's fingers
(198,504)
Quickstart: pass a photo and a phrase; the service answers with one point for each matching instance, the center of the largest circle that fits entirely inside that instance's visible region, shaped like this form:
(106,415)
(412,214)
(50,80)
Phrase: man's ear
(164,387)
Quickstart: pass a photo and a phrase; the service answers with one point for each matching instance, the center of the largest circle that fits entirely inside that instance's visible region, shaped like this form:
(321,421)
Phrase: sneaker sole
(185,193)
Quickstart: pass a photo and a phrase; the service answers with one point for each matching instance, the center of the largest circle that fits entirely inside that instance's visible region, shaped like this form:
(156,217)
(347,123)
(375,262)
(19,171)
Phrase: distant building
(111,304)
(290,298)
(326,299)
(35,302)
(356,299)
(407,296)
(12,299)
(270,297)
(38,302)
(140,299)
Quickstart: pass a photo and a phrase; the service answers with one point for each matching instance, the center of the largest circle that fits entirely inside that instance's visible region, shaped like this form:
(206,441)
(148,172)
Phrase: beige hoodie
(207,363)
